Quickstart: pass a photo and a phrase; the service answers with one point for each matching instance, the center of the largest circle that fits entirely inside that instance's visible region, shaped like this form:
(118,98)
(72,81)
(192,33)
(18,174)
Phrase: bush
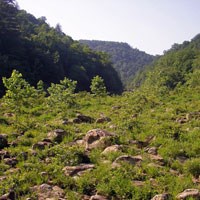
(193,167)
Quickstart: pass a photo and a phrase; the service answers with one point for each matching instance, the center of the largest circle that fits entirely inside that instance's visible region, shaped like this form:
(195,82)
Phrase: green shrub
(193,167)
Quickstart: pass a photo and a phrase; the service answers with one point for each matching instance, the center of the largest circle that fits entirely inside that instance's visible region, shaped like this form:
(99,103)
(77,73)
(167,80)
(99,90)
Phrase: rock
(13,143)
(9,196)
(113,148)
(157,158)
(47,140)
(133,160)
(65,121)
(85,197)
(42,145)
(80,142)
(182,159)
(116,107)
(97,138)
(155,165)
(174,172)
(77,142)
(103,119)
(138,183)
(46,191)
(10,161)
(189,193)
(161,197)
(182,120)
(77,170)
(2,178)
(153,182)
(134,116)
(83,119)
(196,180)
(193,115)
(13,171)
(9,115)
(142,144)
(44,174)
(33,152)
(76,121)
(112,126)
(57,135)
(152,150)
(4,154)
(98,197)
(3,141)
(48,160)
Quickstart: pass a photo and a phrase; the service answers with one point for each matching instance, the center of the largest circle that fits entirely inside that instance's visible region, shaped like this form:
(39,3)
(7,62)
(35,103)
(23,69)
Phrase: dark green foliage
(41,52)
(193,167)
(126,60)
(174,68)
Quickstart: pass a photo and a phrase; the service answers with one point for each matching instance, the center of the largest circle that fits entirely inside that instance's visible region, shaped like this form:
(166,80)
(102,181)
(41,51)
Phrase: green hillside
(126,60)
(60,144)
(139,145)
(174,68)
(41,52)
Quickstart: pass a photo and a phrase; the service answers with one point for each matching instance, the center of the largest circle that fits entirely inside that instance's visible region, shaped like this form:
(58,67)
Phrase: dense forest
(174,68)
(41,52)
(126,60)
(58,143)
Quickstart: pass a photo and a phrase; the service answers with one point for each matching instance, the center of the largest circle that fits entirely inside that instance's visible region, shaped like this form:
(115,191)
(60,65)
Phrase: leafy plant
(98,87)
(61,95)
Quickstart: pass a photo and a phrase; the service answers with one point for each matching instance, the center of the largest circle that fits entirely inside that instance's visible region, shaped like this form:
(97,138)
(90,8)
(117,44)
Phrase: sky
(152,26)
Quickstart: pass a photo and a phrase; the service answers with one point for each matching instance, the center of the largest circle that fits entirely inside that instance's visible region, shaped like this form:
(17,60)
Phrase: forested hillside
(41,52)
(174,68)
(141,145)
(127,61)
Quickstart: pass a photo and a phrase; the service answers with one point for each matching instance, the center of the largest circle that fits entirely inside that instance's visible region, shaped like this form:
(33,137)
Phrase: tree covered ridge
(178,66)
(41,52)
(126,60)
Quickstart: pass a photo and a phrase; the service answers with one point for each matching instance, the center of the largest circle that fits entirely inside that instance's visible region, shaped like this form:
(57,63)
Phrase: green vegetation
(58,143)
(157,124)
(98,87)
(126,60)
(41,52)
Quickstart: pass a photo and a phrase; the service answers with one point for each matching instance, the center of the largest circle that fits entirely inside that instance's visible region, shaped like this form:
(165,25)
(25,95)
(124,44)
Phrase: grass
(133,116)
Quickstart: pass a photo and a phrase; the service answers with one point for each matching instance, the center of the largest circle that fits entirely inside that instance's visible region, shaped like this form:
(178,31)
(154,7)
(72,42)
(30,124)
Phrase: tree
(58,29)
(61,95)
(8,21)
(98,87)
(41,52)
(20,95)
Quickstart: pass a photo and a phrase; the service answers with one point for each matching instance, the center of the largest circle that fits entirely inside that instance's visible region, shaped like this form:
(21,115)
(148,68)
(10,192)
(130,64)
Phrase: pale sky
(149,25)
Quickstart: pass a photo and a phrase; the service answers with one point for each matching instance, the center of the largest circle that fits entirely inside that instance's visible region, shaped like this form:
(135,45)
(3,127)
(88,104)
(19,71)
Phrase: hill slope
(174,68)
(41,52)
(127,61)
(140,145)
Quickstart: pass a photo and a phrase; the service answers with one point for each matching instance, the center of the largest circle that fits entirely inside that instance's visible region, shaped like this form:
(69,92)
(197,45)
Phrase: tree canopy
(41,52)
(126,60)
(176,67)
